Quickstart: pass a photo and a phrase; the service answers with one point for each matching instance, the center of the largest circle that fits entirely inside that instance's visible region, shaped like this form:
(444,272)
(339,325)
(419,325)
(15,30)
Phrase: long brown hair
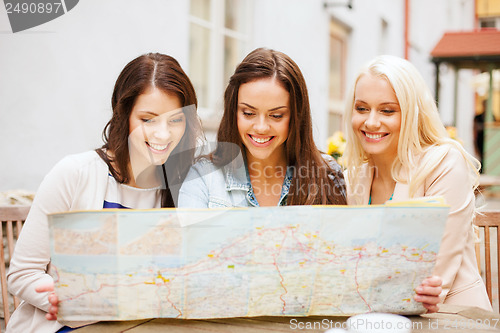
(162,72)
(313,182)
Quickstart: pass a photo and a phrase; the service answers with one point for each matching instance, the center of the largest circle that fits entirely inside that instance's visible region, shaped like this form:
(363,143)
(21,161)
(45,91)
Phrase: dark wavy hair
(314,182)
(162,72)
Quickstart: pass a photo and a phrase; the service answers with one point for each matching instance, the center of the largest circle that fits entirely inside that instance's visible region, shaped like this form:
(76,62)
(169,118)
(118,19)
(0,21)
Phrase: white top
(123,196)
(77,182)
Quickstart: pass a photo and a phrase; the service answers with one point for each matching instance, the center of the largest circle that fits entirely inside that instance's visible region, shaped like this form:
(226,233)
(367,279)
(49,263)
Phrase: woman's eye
(277,116)
(147,120)
(361,109)
(388,111)
(247,113)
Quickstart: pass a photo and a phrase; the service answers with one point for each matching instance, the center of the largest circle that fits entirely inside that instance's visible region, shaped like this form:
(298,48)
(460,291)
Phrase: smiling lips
(160,149)
(260,140)
(374,136)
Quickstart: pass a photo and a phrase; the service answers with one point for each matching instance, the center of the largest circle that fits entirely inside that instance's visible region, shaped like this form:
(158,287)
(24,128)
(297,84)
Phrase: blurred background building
(56,79)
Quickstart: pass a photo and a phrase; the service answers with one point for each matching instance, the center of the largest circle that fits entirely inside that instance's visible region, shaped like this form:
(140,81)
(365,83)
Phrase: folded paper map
(279,261)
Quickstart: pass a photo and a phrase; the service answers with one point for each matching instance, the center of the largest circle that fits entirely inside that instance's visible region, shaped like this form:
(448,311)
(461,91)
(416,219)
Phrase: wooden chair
(12,218)
(487,221)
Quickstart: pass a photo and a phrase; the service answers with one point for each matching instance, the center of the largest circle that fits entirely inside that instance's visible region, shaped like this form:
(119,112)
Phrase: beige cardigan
(456,262)
(77,182)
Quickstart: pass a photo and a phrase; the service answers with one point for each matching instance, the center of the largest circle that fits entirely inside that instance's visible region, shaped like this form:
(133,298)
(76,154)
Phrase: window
(338,49)
(218,42)
(488,12)
(487,23)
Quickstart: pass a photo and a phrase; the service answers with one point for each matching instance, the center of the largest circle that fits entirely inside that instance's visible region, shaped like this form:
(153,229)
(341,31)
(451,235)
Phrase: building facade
(57,78)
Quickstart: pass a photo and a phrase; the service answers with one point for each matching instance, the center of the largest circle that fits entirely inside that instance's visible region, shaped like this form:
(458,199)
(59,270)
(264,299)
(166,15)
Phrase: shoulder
(81,160)
(76,165)
(204,169)
(332,163)
(204,165)
(73,177)
(438,150)
(337,174)
(443,156)
(447,165)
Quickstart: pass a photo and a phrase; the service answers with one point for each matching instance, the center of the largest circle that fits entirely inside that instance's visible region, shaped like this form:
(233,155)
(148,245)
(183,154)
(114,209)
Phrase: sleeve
(31,258)
(194,192)
(450,180)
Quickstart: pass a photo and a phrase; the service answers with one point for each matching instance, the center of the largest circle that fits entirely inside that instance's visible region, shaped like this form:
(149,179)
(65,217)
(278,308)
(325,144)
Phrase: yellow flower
(452,133)
(336,144)
(332,147)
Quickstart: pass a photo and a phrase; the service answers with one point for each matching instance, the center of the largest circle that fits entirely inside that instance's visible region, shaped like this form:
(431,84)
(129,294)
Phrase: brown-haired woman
(150,136)
(267,117)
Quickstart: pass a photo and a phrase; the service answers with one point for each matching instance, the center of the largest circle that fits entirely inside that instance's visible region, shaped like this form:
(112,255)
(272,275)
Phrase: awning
(477,49)
(469,49)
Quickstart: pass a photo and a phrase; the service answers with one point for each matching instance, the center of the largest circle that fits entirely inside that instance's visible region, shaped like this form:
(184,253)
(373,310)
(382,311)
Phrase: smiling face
(376,118)
(156,126)
(263,118)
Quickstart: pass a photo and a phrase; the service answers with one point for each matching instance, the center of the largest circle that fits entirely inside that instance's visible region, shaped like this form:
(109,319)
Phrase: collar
(238,178)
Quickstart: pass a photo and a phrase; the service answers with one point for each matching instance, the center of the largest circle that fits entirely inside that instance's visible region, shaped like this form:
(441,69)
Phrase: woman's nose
(161,130)
(261,125)
(372,121)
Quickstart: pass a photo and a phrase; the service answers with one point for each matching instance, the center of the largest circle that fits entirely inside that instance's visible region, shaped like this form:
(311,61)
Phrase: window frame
(336,105)
(211,113)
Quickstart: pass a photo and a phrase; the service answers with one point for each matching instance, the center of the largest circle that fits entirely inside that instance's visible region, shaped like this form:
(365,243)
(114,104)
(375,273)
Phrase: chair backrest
(486,221)
(12,218)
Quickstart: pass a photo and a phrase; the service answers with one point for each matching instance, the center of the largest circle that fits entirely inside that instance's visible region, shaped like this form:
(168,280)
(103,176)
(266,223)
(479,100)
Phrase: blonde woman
(397,149)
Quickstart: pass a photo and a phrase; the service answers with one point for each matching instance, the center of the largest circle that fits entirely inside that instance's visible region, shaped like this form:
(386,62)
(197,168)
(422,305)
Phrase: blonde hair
(421,126)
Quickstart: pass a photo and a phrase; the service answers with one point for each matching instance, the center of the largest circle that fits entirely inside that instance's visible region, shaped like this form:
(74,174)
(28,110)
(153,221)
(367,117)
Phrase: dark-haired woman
(152,133)
(267,117)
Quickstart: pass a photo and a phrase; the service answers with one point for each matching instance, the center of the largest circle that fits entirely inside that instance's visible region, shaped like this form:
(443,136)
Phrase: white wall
(365,20)
(301,30)
(56,79)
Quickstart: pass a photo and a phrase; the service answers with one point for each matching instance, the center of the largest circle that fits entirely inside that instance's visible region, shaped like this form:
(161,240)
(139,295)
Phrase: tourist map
(279,261)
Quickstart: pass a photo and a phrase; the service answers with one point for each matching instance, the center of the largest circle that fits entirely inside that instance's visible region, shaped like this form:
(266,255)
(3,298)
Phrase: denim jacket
(209,186)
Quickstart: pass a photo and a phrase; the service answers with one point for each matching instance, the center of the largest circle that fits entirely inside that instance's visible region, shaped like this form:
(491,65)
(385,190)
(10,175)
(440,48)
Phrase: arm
(53,300)
(194,190)
(29,264)
(450,180)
